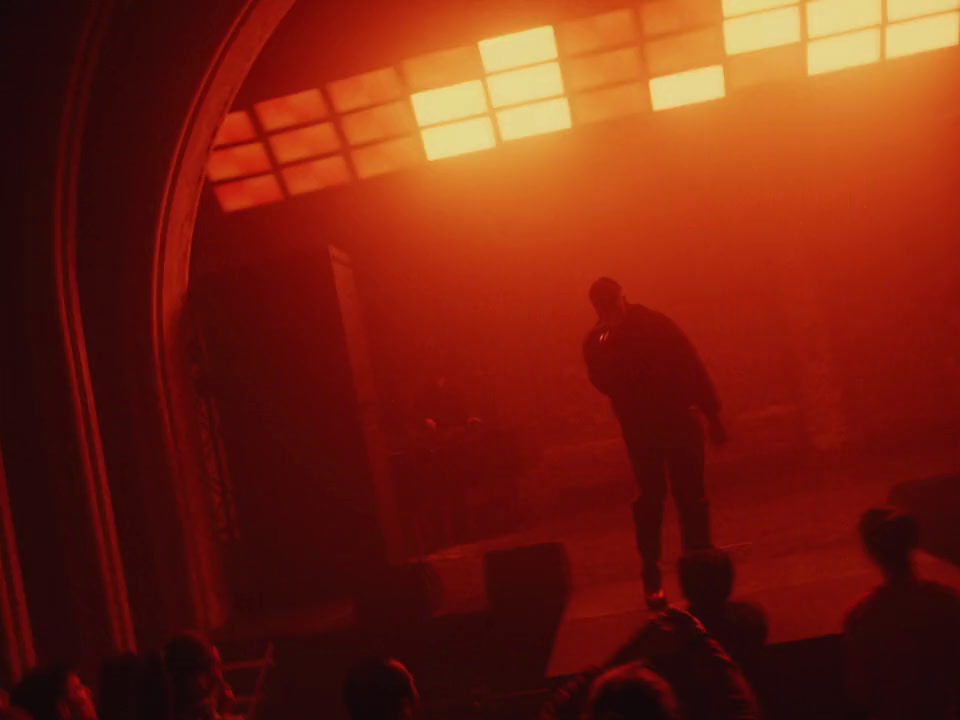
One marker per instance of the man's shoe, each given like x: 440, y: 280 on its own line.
x: 657, y: 600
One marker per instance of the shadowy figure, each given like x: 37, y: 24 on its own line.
x: 380, y: 690
x: 654, y: 378
x: 631, y: 692
x: 902, y: 639
x: 195, y: 674
x: 707, y: 578
x: 54, y: 693
x: 707, y: 683
x: 133, y: 687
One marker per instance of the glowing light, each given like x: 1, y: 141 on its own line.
x: 603, y: 68
x: 843, y: 51
x: 742, y: 7
x: 685, y: 88
x: 762, y: 30
x: 387, y: 156
x: 520, y: 48
x: 316, y: 174
x: 669, y: 16
x: 597, y: 32
x: 532, y: 83
x: 829, y: 17
x: 238, y: 160
x: 927, y: 33
x: 248, y: 192
x: 684, y: 51
x: 304, y: 142
x: 296, y: 109
x: 903, y: 9
x: 458, y: 138
x: 611, y: 102
x: 445, y: 67
x: 535, y: 119
x: 378, y: 123
x: 371, y: 88
x: 449, y: 103
x: 236, y: 127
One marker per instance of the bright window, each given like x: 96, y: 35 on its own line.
x: 534, y: 119
x: 449, y: 103
x: 903, y: 9
x: 295, y: 109
x: 742, y: 7
x: 843, y: 51
x: 458, y: 138
x: 926, y: 33
x: 690, y: 86
x: 762, y: 30
x: 530, y: 83
x: 829, y: 17
x: 520, y: 48
x: 237, y: 161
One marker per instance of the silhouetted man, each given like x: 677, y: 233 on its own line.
x: 902, y: 639
x: 380, y: 689
x: 654, y: 378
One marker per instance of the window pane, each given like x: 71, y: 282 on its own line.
x: 603, y: 68
x: 903, y: 9
x: 928, y: 33
x: 445, y: 67
x: 296, y: 109
x: 457, y: 138
x: 611, y: 102
x: 691, y: 86
x: 236, y: 127
x: 304, y: 142
x: 372, y: 88
x: 597, y: 32
x: 316, y: 174
x: 449, y: 103
x: 521, y: 48
x: 248, y: 192
x: 762, y: 30
x: 843, y: 51
x: 378, y: 123
x: 535, y: 119
x: 829, y: 17
x: 237, y: 161
x: 742, y: 7
x: 686, y: 51
x: 669, y: 16
x: 387, y: 156
x: 533, y: 83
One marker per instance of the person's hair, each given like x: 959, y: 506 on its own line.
x: 706, y: 577
x: 605, y: 293
x: 378, y: 689
x: 889, y: 537
x: 631, y: 692
x: 189, y: 660
x: 40, y: 690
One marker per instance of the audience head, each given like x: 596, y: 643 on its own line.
x: 631, y: 692
x: 54, y: 693
x: 889, y: 537
x: 195, y: 671
x: 380, y: 690
x: 607, y: 298
x: 706, y: 578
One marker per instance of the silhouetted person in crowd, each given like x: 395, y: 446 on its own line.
x: 195, y: 674
x: 903, y: 638
x: 631, y: 692
x: 133, y: 687
x: 54, y: 693
x: 380, y: 690
x: 706, y: 578
x: 706, y: 682
x: 655, y: 380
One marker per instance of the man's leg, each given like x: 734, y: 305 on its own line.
x: 650, y: 472
x: 689, y: 492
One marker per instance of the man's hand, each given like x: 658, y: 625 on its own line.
x: 717, y: 431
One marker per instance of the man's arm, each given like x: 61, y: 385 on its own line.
x: 600, y: 365
x: 702, y: 392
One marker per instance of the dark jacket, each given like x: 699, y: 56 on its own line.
x: 649, y: 369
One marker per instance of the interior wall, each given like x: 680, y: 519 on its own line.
x: 804, y: 235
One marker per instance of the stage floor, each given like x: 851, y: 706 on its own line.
x: 791, y: 530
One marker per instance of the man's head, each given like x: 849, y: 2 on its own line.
x: 631, y: 692
x: 706, y: 578
x: 607, y: 298
x: 889, y: 537
x: 380, y: 689
x: 195, y: 670
x: 54, y: 693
